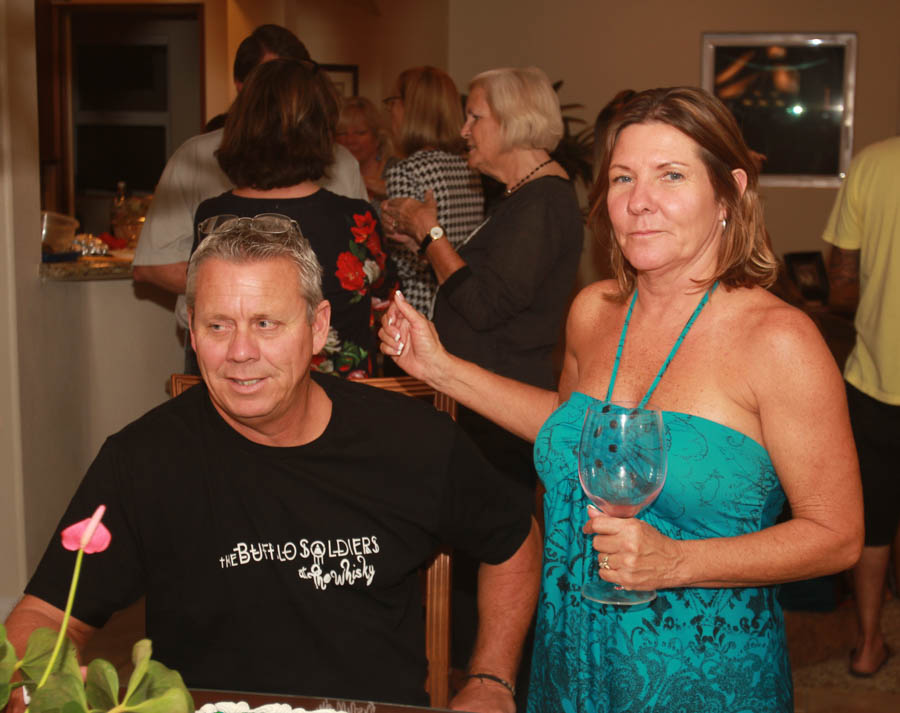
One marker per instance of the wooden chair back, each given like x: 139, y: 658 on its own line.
x: 437, y: 573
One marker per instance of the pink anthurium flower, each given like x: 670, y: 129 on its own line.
x: 89, y: 535
x: 86, y: 536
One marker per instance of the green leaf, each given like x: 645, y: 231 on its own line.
x: 37, y: 652
x: 62, y: 693
x: 160, y: 683
x: 37, y: 655
x: 4, y: 694
x: 140, y: 657
x: 102, y: 685
x: 7, y: 660
x: 174, y: 700
x: 359, y: 250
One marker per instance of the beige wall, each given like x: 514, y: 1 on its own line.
x: 381, y: 37
x: 599, y: 48
x: 18, y: 157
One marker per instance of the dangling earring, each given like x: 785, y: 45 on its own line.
x: 724, y: 223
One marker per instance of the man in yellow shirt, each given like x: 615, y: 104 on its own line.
x: 864, y: 271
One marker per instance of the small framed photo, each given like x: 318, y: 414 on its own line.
x: 344, y: 76
x: 807, y: 271
x: 792, y: 96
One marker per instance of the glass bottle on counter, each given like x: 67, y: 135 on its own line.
x: 117, y: 211
x: 127, y: 216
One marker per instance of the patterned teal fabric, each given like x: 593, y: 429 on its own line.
x: 691, y: 649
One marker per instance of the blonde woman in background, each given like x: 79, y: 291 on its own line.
x: 363, y: 132
x: 426, y: 120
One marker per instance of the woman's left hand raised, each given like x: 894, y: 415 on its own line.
x: 636, y: 554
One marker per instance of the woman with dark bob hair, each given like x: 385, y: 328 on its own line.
x: 754, y: 413
x: 277, y: 142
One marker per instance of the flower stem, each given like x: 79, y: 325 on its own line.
x: 65, y: 619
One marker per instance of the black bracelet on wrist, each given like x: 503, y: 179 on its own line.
x: 495, y: 679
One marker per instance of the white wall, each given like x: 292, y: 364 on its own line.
x: 601, y: 47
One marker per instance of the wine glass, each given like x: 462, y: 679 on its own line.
x: 622, y: 468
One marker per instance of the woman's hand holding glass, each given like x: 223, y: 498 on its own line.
x: 406, y: 220
x: 638, y: 557
x: 622, y: 463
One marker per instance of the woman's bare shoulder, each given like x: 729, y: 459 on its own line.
x: 595, y: 297
x: 591, y: 309
x: 771, y: 316
x: 774, y: 333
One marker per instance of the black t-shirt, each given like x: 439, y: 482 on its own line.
x: 346, y: 237
x: 287, y: 570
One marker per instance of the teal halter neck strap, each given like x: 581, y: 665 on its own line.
x: 662, y: 370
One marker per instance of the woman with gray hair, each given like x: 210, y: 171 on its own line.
x: 504, y: 291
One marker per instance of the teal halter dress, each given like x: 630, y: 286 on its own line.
x: 691, y: 649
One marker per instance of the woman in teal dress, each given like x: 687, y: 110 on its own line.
x: 754, y: 413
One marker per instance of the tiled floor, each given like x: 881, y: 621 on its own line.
x: 819, y: 644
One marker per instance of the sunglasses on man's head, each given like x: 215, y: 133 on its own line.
x: 270, y: 223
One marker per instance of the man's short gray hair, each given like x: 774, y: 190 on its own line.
x: 244, y: 244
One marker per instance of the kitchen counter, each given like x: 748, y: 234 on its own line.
x: 106, y: 267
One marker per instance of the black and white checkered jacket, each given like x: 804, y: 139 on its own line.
x: 457, y: 191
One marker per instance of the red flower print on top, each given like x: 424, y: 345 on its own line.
x: 350, y: 272
x: 365, y: 226
x: 373, y: 243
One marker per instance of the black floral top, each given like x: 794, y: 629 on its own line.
x: 358, y: 277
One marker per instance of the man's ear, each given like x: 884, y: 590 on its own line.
x: 191, y: 328
x: 320, y: 325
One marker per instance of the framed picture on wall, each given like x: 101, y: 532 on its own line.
x: 792, y: 95
x: 344, y: 76
x: 807, y: 271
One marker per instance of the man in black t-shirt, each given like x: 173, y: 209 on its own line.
x: 276, y: 520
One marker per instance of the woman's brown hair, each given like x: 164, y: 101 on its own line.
x: 432, y: 112
x: 280, y: 130
x: 745, y: 254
